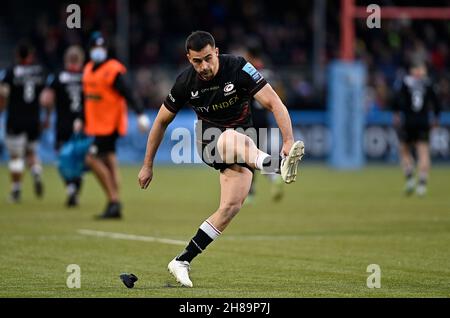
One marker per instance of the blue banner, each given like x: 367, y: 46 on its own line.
x: 378, y: 137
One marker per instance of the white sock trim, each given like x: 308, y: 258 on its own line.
x: 260, y: 159
x: 210, y: 230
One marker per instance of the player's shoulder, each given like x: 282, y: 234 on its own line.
x: 408, y: 80
x: 232, y: 61
x: 27, y: 69
x: 67, y: 77
x: 186, y: 75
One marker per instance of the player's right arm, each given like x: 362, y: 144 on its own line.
x: 162, y: 120
x: 47, y: 96
x: 176, y: 99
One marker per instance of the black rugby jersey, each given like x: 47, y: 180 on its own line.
x: 415, y: 99
x: 26, y: 83
x: 68, y: 101
x: 222, y: 102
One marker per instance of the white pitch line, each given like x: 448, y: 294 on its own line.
x: 131, y: 237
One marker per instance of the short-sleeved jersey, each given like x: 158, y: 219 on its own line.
x: 26, y: 83
x: 222, y: 102
x: 416, y: 98
x: 68, y: 100
x: 260, y: 115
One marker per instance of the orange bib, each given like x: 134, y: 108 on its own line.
x: 105, y: 109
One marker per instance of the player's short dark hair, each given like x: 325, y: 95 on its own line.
x: 24, y: 49
x: 198, y: 40
x: 416, y: 63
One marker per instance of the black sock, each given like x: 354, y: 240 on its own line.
x: 77, y: 183
x: 423, y: 181
x: 197, y: 244
x: 409, y: 174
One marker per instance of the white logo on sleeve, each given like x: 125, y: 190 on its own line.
x: 194, y: 94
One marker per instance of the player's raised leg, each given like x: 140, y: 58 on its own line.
x: 234, y: 146
x: 234, y: 186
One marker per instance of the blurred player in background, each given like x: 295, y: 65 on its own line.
x: 106, y: 94
x: 20, y: 88
x: 219, y: 88
x: 64, y: 92
x: 261, y: 120
x: 413, y: 103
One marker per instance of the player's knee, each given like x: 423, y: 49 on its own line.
x: 424, y: 164
x: 226, y: 139
x: 16, y: 165
x: 232, y: 142
x: 225, y: 146
x: 90, y: 159
x: 229, y: 210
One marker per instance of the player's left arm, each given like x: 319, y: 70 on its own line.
x: 47, y: 98
x: 270, y: 100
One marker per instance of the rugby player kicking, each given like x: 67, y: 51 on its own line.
x: 219, y: 88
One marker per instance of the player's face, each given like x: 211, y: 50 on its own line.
x: 74, y: 66
x: 419, y: 71
x: 205, y: 62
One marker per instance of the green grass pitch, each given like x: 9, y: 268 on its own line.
x: 317, y: 242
